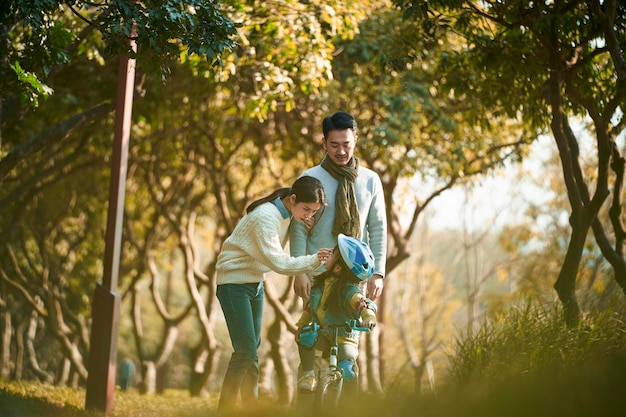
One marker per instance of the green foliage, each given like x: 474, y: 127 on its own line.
x: 200, y: 27
x: 503, y: 55
x: 530, y: 339
x: 286, y: 51
x: 41, y: 34
x: 410, y: 122
x: 35, y: 86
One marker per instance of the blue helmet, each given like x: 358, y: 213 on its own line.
x: 357, y: 255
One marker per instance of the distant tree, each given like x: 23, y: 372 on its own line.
x: 538, y: 241
x: 421, y: 304
x: 548, y: 62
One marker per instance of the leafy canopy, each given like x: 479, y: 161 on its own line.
x: 43, y: 34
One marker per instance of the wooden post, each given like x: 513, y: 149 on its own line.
x: 106, y: 302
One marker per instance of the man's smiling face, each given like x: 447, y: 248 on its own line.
x: 340, y: 146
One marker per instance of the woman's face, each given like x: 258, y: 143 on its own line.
x: 302, y: 212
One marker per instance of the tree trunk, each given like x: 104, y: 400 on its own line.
x: 565, y: 284
x: 204, y: 362
x: 279, y: 341
x: 373, y: 364
x: 614, y: 255
x: 583, y: 213
x: 207, y: 351
x: 31, y: 352
x: 418, y: 376
x: 5, y: 358
x: 148, y: 378
x: 266, y: 371
x: 64, y: 375
x: 19, y: 350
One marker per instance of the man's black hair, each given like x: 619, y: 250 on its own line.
x: 339, y: 121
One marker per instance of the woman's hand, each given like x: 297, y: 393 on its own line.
x: 309, y: 223
x: 323, y: 254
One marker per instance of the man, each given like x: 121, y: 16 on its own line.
x: 356, y: 204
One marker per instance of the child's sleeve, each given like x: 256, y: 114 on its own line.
x: 305, y: 317
x: 364, y: 306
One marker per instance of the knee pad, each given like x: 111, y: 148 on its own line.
x: 348, y: 368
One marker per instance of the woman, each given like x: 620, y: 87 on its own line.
x: 254, y: 248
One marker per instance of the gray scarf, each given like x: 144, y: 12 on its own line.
x: 347, y: 219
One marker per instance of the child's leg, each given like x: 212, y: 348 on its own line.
x: 346, y: 358
x: 307, y: 381
x: 347, y: 355
x: 307, y: 357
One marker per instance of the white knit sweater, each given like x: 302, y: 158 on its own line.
x: 256, y: 246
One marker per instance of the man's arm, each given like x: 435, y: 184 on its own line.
x: 377, y: 231
x: 297, y: 247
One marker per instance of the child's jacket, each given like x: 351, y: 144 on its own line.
x: 354, y: 305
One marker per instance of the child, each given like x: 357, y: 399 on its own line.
x: 337, y: 297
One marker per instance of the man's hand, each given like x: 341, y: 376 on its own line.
x: 302, y: 286
x: 374, y: 287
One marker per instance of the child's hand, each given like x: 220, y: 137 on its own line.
x: 370, y: 324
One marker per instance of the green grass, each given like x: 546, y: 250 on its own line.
x: 593, y: 389
x: 28, y: 399
x: 529, y: 339
x: 523, y: 362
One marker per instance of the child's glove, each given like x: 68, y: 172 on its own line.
x: 370, y: 324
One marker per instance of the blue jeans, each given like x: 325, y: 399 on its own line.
x: 242, y: 305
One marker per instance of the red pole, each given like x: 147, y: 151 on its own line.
x: 106, y: 303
